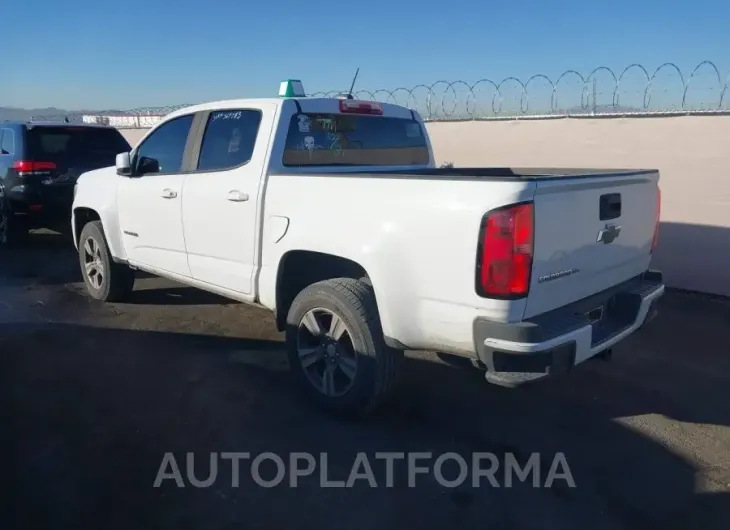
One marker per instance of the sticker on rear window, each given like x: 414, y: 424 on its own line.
x: 334, y: 141
x: 327, y: 124
x: 309, y: 144
x: 303, y: 123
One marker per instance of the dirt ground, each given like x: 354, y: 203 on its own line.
x: 93, y: 396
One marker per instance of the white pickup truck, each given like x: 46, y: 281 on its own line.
x: 331, y: 213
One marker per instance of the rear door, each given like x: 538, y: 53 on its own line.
x: 591, y: 233
x: 65, y: 152
x: 221, y: 194
x: 74, y: 149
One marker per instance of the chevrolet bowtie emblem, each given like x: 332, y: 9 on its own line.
x: 608, y: 234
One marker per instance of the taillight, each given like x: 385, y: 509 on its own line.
x: 350, y: 106
x: 32, y: 166
x: 504, y: 260
x: 655, y: 241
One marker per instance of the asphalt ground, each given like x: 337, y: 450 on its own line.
x: 92, y: 398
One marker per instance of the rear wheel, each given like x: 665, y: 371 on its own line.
x: 105, y: 280
x: 336, y: 348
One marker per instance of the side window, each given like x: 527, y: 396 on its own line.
x: 7, y: 142
x: 229, y: 139
x: 163, y: 151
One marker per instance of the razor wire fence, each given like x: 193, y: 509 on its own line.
x: 633, y: 91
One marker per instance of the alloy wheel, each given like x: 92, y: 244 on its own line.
x: 326, y: 352
x: 93, y: 263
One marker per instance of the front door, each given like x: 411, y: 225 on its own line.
x: 221, y: 196
x: 150, y: 203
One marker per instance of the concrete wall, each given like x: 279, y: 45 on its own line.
x: 133, y: 135
x: 692, y: 153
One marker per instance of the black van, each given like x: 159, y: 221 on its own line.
x: 39, y: 165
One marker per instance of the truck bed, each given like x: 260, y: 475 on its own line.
x: 572, y: 208
x: 491, y: 173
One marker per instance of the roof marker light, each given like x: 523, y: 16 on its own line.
x: 291, y: 88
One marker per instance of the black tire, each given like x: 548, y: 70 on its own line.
x: 117, y: 280
x: 378, y: 366
x: 13, y: 229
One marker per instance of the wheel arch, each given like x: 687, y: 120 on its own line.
x: 298, y: 269
x: 81, y: 217
x: 83, y: 214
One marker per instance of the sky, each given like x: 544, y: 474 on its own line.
x: 80, y: 54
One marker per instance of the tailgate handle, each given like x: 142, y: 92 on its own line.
x: 610, y: 206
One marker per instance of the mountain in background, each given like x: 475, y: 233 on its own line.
x: 15, y: 114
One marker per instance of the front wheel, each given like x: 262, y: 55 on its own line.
x: 336, y: 348
x: 105, y: 280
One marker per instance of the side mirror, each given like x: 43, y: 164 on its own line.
x: 124, y: 165
x: 148, y: 165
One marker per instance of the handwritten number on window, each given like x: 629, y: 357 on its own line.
x: 227, y: 115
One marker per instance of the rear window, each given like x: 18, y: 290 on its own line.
x: 354, y: 140
x: 76, y: 146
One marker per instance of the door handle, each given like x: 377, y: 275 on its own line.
x: 237, y: 196
x: 167, y: 193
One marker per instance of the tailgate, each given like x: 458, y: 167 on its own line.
x: 591, y: 233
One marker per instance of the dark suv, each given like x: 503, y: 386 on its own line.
x: 39, y: 165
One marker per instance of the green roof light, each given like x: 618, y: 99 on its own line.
x: 291, y: 88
